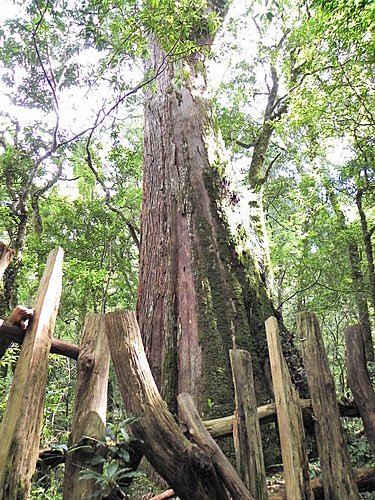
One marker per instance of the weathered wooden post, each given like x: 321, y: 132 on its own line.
x: 289, y: 417
x: 200, y: 436
x: 22, y: 420
x: 90, y: 404
x: 359, y: 381
x: 337, y: 471
x: 246, y: 428
x: 186, y: 468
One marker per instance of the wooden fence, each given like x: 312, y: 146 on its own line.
x: 185, y: 454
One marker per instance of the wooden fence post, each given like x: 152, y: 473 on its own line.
x: 90, y: 405
x: 186, y: 468
x: 289, y: 417
x: 22, y: 420
x: 359, y: 381
x: 337, y: 471
x: 246, y: 428
x: 200, y: 436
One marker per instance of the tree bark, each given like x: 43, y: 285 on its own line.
x: 365, y: 478
x: 223, y: 427
x: 197, y: 296
x: 366, y: 234
x: 289, y: 417
x: 359, y: 381
x: 258, y: 176
x: 9, y: 295
x: 363, y: 312
x: 202, y: 438
x: 358, y: 281
x: 6, y: 255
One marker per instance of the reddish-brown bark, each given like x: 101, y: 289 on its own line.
x: 197, y: 298
x: 187, y: 301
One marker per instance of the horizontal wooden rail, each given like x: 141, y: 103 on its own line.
x: 365, y: 479
x: 16, y: 334
x: 223, y: 427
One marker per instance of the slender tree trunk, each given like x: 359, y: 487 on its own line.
x: 258, y: 173
x: 6, y: 255
x: 366, y: 234
x: 363, y: 312
x: 358, y: 281
x: 8, y: 299
x: 197, y: 297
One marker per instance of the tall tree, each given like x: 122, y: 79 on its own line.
x: 198, y: 296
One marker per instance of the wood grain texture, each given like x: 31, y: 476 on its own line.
x: 186, y: 468
x: 365, y: 478
x: 359, y: 381
x: 12, y: 333
x: 337, y: 471
x: 289, y: 417
x: 22, y: 420
x: 202, y: 438
x: 223, y: 427
x: 246, y: 428
x: 90, y: 404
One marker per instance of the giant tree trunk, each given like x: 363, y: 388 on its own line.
x: 197, y: 298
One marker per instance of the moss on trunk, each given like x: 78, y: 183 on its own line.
x: 197, y: 297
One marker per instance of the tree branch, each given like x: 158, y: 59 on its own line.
x: 244, y: 145
x: 268, y: 169
x: 51, y: 80
x: 107, y: 191
x: 300, y: 291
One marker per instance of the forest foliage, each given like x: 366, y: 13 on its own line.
x: 294, y: 77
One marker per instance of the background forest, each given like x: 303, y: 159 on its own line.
x: 292, y: 87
